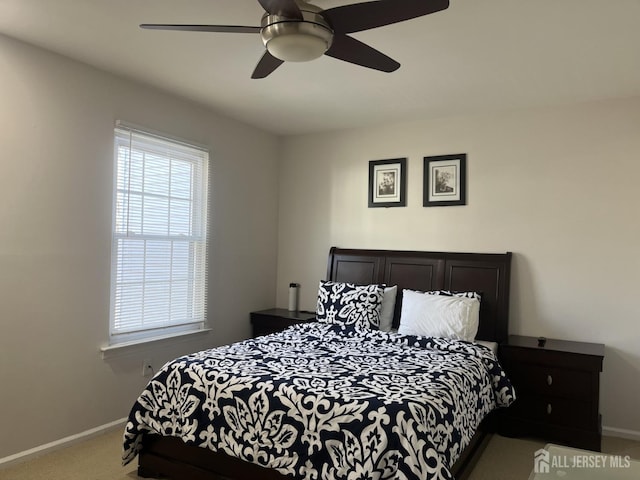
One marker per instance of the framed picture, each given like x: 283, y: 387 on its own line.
x: 388, y: 183
x: 445, y: 180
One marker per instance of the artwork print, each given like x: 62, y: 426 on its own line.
x: 445, y: 180
x: 387, y: 183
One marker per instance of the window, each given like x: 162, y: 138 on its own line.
x: 158, y: 265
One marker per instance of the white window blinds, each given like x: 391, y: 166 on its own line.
x: 159, y: 267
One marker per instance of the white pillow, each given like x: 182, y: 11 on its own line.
x: 388, y: 308
x: 453, y: 317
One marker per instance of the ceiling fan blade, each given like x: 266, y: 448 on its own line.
x: 202, y: 28
x: 354, y: 51
x: 285, y: 8
x: 367, y: 15
x: 267, y: 64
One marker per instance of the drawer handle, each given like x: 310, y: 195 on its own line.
x: 549, y: 380
x: 549, y: 409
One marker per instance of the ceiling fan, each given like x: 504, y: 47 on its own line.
x: 296, y: 31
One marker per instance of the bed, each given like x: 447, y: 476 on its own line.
x: 372, y: 432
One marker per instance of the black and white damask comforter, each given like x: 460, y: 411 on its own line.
x: 320, y: 401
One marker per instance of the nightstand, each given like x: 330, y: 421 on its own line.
x: 277, y: 319
x: 557, y: 390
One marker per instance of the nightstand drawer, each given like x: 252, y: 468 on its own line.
x: 554, y: 411
x: 544, y: 380
x: 543, y: 356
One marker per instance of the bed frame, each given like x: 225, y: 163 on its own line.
x: 486, y: 273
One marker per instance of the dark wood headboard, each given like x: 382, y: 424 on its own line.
x: 486, y: 273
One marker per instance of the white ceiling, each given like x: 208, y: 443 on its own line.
x: 477, y: 55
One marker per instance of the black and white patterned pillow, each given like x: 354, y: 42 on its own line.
x: 449, y: 293
x: 348, y: 304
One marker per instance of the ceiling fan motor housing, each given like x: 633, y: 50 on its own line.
x: 294, y: 40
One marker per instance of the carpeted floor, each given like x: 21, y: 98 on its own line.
x: 94, y: 459
x: 99, y: 459
x: 511, y: 459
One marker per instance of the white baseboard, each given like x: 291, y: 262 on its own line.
x: 621, y: 433
x: 59, y: 444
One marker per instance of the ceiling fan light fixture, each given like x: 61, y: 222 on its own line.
x: 296, y: 41
x: 297, y: 47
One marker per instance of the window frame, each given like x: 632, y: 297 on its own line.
x: 174, y: 151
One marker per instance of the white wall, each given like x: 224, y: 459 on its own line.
x: 56, y: 147
x: 557, y: 186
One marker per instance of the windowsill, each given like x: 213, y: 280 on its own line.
x: 126, y: 347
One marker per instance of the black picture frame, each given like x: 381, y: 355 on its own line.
x: 445, y: 180
x: 388, y: 183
